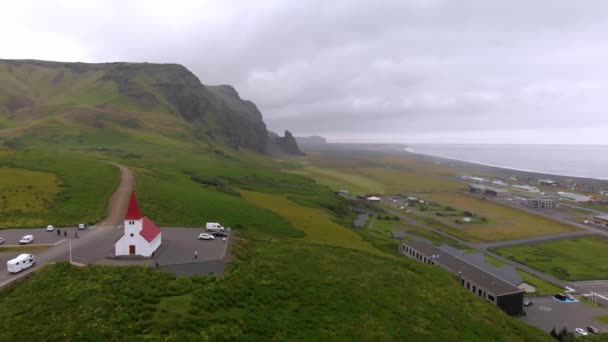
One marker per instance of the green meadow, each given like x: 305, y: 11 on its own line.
x: 572, y: 259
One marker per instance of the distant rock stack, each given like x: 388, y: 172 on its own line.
x: 286, y: 144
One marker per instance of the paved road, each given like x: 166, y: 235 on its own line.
x: 93, y: 245
x: 531, y: 240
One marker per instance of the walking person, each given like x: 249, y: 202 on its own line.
x: 58, y: 232
x: 65, y: 233
x: 195, y: 255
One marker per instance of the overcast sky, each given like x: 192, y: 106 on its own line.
x: 360, y: 71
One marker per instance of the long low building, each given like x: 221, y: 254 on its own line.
x: 600, y: 220
x: 542, y: 202
x: 489, y: 287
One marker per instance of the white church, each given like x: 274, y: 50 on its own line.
x: 142, y: 237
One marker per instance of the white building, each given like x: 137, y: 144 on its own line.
x: 527, y: 188
x: 574, y: 197
x: 142, y: 237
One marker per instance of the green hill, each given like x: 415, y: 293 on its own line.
x: 298, y: 272
x: 81, y: 104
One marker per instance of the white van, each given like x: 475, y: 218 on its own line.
x: 20, y: 263
x: 26, y: 239
x: 214, y: 227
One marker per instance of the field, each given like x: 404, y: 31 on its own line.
x: 505, y: 223
x: 26, y: 191
x: 63, y: 189
x: 342, y: 180
x: 278, y: 289
x: 315, y: 223
x: 572, y: 260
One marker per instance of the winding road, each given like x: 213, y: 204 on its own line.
x: 92, y: 246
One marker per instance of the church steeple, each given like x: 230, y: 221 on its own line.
x: 133, y: 213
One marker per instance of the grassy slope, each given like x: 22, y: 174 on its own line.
x: 279, y: 289
x: 315, y: 223
x: 575, y: 259
x: 85, y: 187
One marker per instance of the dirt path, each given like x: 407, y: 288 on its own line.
x: 117, y: 205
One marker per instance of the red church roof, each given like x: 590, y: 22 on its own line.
x: 150, y: 230
x: 133, y: 213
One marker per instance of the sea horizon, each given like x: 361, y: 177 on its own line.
x: 565, y: 160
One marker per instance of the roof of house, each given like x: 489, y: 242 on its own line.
x: 507, y: 273
x: 602, y: 217
x: 133, y: 213
x: 468, y: 271
x: 150, y: 230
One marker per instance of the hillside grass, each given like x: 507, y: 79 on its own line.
x: 342, y: 180
x: 505, y: 223
x: 315, y: 223
x: 67, y: 188
x: 278, y: 289
x: 27, y: 191
x: 572, y: 260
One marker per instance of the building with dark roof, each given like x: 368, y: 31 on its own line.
x: 489, y: 191
x: 488, y: 286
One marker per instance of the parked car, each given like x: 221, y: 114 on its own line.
x: 214, y: 227
x: 580, y: 331
x: 50, y: 228
x: 82, y: 226
x: 560, y: 297
x: 593, y: 329
x: 205, y: 236
x: 1, y: 240
x: 528, y: 303
x: 26, y: 239
x: 219, y: 234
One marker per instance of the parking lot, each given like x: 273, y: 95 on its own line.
x: 546, y: 313
x: 41, y: 236
x: 178, y: 247
x: 176, y: 253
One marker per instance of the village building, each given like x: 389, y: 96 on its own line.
x: 489, y: 191
x: 527, y: 188
x: 570, y: 196
x: 493, y: 288
x: 141, y: 236
x: 600, y: 220
x: 541, y: 202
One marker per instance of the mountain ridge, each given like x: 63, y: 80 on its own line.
x: 34, y: 93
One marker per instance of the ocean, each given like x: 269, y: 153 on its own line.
x: 588, y: 161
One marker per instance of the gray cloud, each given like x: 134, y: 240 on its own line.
x: 385, y: 71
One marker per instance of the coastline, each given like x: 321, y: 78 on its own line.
x: 409, y: 150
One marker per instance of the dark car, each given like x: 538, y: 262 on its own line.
x: 219, y: 234
x: 560, y: 297
x: 593, y: 330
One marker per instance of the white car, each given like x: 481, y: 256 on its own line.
x: 205, y: 236
x: 581, y: 332
x: 50, y: 228
x: 26, y: 240
x: 1, y: 240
